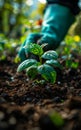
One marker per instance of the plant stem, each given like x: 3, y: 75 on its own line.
x: 40, y: 59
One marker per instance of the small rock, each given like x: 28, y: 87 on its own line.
x: 29, y: 99
x: 12, y: 121
x: 2, y: 100
x: 57, y: 99
x: 59, y: 82
x: 2, y: 115
x: 12, y: 78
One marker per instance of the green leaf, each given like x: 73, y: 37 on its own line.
x: 25, y: 64
x: 2, y: 43
x: 1, y: 49
x: 68, y: 63
x: 56, y: 119
x: 54, y: 63
x: 17, y: 59
x: 32, y: 71
x: 71, y: 64
x: 50, y: 55
x: 35, y: 49
x: 47, y: 72
x: 75, y: 65
x: 3, y: 57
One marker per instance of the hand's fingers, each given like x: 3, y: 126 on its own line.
x: 44, y: 40
x: 22, y: 54
x: 49, y: 42
x: 32, y: 38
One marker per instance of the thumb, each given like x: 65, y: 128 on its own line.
x: 50, y: 42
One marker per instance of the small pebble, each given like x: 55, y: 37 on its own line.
x: 2, y: 115
x: 59, y: 82
x: 2, y: 100
x: 12, y: 78
x: 29, y: 99
x: 12, y: 121
x: 57, y: 99
x: 27, y: 79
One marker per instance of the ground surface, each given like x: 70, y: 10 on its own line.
x: 25, y: 105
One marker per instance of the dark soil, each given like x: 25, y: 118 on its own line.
x: 27, y: 104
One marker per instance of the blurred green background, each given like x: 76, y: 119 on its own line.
x: 17, y: 15
x: 20, y: 17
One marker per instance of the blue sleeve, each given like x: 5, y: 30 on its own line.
x: 72, y: 4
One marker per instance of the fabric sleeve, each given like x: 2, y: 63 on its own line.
x: 72, y: 4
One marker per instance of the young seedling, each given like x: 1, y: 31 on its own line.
x: 2, y: 55
x: 56, y: 119
x: 46, y: 65
x: 69, y: 49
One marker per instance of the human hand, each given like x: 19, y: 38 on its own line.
x: 57, y: 20
x: 35, y: 38
x: 23, y: 52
